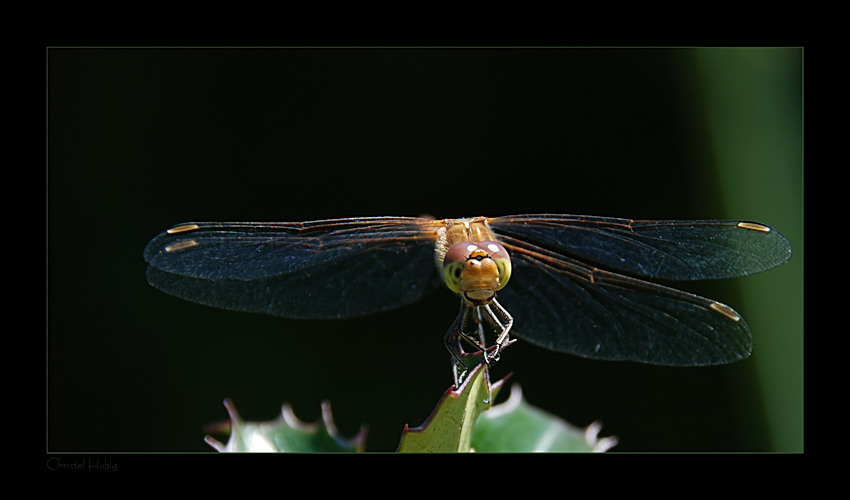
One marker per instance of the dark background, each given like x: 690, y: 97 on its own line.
x: 141, y: 139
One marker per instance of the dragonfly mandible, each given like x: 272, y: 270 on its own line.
x: 573, y: 284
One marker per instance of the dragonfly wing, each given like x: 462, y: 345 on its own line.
x: 322, y: 269
x: 566, y: 306
x: 674, y: 250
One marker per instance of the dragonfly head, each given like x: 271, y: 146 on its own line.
x: 477, y: 270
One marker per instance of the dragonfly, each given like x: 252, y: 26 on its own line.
x: 581, y: 285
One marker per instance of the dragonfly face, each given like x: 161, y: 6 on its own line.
x: 472, y: 263
x: 578, y: 284
x: 476, y: 271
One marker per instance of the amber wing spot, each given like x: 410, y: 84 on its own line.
x: 725, y: 310
x: 180, y: 245
x: 182, y: 229
x: 754, y: 226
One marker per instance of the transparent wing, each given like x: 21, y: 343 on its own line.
x: 674, y: 250
x: 320, y: 269
x: 567, y: 306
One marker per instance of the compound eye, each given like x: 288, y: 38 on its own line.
x: 500, y: 256
x: 453, y: 262
x: 494, y: 249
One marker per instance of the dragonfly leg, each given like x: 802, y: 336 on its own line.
x: 470, y: 327
x: 503, y: 326
x: 459, y: 378
x: 468, y: 319
x: 455, y: 348
x: 479, y: 323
